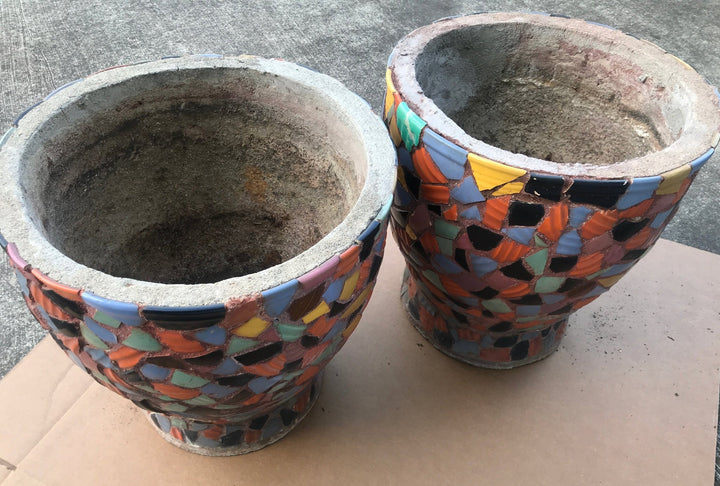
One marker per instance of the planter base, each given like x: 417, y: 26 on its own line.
x: 235, y: 438
x: 516, y: 348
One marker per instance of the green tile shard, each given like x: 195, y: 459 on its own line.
x: 186, y: 380
x: 290, y: 332
x: 237, y: 345
x: 142, y: 341
x: 92, y: 338
x: 545, y: 285
x: 537, y: 261
x: 108, y: 320
x: 410, y: 126
x: 496, y: 305
x: 200, y: 400
x: 445, y: 229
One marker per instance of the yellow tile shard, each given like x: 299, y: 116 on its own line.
x: 394, y: 132
x: 672, y: 180
x: 389, y: 98
x: 489, y: 174
x: 510, y: 188
x: 608, y: 282
x: 349, y: 286
x: 252, y: 328
x: 318, y: 311
x: 357, y: 303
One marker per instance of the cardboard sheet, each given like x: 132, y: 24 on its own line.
x: 630, y: 397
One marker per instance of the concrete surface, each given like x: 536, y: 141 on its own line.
x: 46, y: 43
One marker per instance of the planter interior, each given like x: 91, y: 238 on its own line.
x: 192, y: 180
x: 540, y: 92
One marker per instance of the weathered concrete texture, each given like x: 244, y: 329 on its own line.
x: 44, y: 44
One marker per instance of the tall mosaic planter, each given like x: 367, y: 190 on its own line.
x: 200, y: 235
x: 539, y: 158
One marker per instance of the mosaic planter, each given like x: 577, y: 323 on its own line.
x: 539, y: 158
x: 201, y: 235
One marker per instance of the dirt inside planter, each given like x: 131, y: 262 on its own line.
x: 545, y: 93
x: 196, y: 181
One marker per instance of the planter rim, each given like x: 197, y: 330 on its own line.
x: 700, y: 130
x: 17, y: 228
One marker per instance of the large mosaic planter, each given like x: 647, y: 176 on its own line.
x: 201, y: 235
x: 539, y: 158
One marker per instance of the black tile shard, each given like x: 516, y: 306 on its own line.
x: 506, y: 341
x: 461, y: 258
x: 185, y: 319
x: 412, y: 182
x: 634, y: 254
x: 520, y: 350
x: 530, y: 299
x: 599, y: 193
x: 525, y: 214
x: 260, y: 354
x: 624, y: 230
x: 503, y: 326
x: 486, y: 293
x: 562, y: 264
x: 483, y: 239
x: 517, y: 271
x: 547, y: 187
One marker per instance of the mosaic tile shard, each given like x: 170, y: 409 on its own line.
x: 142, y: 341
x: 600, y: 193
x: 426, y: 168
x: 673, y: 180
x: 275, y: 300
x: 489, y: 174
x: 409, y: 125
x: 483, y: 239
x: 467, y: 192
x: 212, y: 335
x: 640, y: 190
x: 449, y: 158
x: 318, y: 275
x: 695, y: 164
x: 525, y: 214
x: 545, y: 186
x: 184, y: 318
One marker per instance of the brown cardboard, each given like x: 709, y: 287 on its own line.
x: 33, y: 396
x: 629, y: 398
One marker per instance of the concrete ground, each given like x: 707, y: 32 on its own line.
x: 46, y: 43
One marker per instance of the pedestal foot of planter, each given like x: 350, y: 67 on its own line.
x: 237, y: 437
x: 502, y: 350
